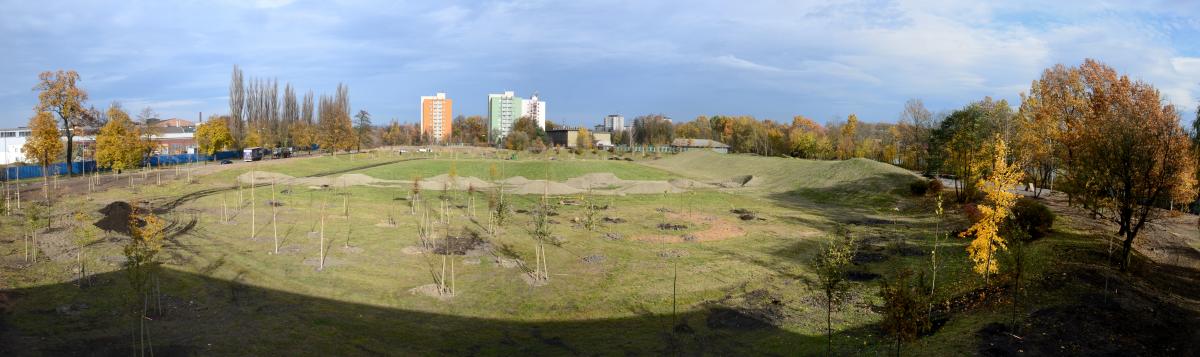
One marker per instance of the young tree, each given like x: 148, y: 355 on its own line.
x: 59, y: 93
x: 584, y: 140
x: 85, y: 233
x: 117, y: 144
x: 146, y: 239
x: 831, y: 264
x: 213, y: 136
x: 43, y: 146
x: 846, y: 146
x: 997, y: 208
x: 902, y: 315
x: 1129, y: 154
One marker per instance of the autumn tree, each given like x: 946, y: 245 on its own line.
x: 470, y: 130
x: 117, y: 145
x: 336, y: 132
x: 59, y: 94
x: 1055, y: 105
x: 44, y: 145
x: 213, y: 136
x: 1129, y: 154
x: 584, y: 139
x: 846, y: 147
x: 986, y: 233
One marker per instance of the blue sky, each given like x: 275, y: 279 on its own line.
x: 588, y: 58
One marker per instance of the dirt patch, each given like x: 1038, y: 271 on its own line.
x: 411, y: 250
x: 430, y: 290
x: 718, y: 229
x: 613, y: 236
x: 594, y: 259
x: 671, y: 227
x: 508, y: 263
x: 672, y: 253
x: 649, y: 187
x: 463, y: 243
x: 533, y: 282
x: 615, y: 220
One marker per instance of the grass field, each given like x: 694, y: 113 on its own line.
x: 624, y: 288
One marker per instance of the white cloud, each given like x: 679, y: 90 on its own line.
x: 738, y: 63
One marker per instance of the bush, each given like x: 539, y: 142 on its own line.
x: 935, y: 186
x: 925, y: 187
x: 919, y: 187
x: 1033, y: 217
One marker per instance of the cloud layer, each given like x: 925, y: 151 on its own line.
x: 590, y: 58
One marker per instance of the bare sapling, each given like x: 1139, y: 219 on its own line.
x: 85, y: 233
x: 321, y: 265
x: 253, y: 218
x: 415, y: 194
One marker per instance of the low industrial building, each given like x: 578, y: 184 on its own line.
x: 569, y: 137
x: 684, y: 144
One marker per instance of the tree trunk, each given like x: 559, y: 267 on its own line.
x: 70, y: 147
x: 1126, y: 247
x: 828, y: 323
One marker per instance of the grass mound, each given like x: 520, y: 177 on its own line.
x: 775, y: 174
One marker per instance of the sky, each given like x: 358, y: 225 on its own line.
x: 590, y: 58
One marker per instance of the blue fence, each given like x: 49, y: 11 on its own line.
x: 34, y: 171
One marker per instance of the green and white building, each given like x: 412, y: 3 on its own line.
x: 504, y: 110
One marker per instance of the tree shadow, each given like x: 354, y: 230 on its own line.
x: 208, y: 316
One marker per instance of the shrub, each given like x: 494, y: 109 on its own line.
x: 919, y: 187
x: 972, y: 212
x: 1033, y: 217
x: 935, y: 186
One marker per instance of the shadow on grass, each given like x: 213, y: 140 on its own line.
x: 210, y: 316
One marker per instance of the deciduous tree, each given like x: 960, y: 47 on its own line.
x: 59, y: 93
x: 117, y: 145
x: 44, y: 145
x: 994, y: 211
x: 1128, y: 155
x: 213, y: 136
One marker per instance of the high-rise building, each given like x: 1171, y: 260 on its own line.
x: 436, y: 114
x: 614, y: 122
x: 504, y: 110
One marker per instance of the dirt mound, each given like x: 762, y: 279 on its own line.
x: 688, y: 183
x: 595, y: 180
x: 549, y: 187
x: 354, y: 180
x: 116, y: 217
x: 648, y: 187
x: 458, y: 183
x: 264, y: 177
x: 514, y: 181
x: 742, y: 181
x: 719, y: 228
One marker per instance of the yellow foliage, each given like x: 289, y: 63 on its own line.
x: 999, y: 201
x: 45, y: 144
x: 118, y: 145
x: 213, y: 135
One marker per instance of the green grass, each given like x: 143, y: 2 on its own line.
x: 230, y: 295
x: 530, y: 169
